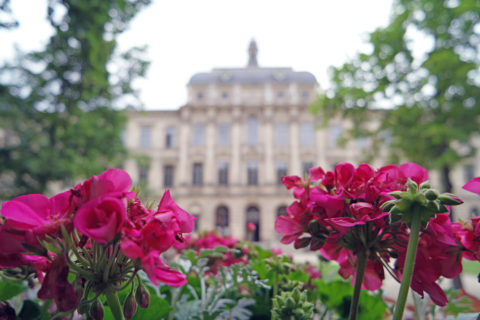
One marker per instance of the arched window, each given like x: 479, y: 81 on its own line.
x: 222, y: 220
x: 253, y: 219
x: 281, y: 211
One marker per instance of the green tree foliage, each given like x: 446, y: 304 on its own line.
x: 59, y: 115
x: 423, y: 73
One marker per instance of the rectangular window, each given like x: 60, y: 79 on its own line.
x: 281, y: 134
x: 252, y: 131
x: 307, y: 134
x: 252, y: 173
x: 334, y: 133
x: 223, y: 134
x: 222, y: 173
x: 143, y: 175
x: 197, y: 174
x: 198, y: 134
x: 168, y: 176
x: 468, y: 172
x: 306, y: 167
x: 171, y: 137
x: 145, y: 137
x: 281, y: 171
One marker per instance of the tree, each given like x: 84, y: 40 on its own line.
x: 57, y: 106
x: 427, y: 100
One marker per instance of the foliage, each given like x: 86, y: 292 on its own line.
x: 57, y: 115
x: 424, y: 99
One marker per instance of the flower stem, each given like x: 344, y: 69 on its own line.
x: 275, y: 290
x: 408, y: 266
x: 360, y: 271
x: 114, y: 304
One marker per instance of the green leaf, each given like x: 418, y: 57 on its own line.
x: 9, y: 289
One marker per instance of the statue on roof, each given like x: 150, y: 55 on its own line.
x: 252, y: 54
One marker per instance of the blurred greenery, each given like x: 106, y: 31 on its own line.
x: 59, y: 115
x: 420, y: 80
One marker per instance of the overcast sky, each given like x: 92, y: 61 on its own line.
x: 189, y: 36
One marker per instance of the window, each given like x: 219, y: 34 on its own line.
x: 196, y: 223
x: 306, y: 167
x: 168, y: 176
x: 146, y: 137
x: 198, y: 134
x: 171, y: 137
x: 223, y: 137
x: 252, y: 173
x: 280, y: 94
x: 253, y: 217
x: 222, y: 220
x: 197, y: 174
x: 281, y: 171
x: 224, y: 95
x: 307, y: 134
x: 362, y: 142
x: 473, y: 212
x: 281, y: 134
x: 199, y: 95
x: 334, y: 133
x: 468, y: 172
x: 143, y: 175
x: 252, y: 131
x: 222, y: 173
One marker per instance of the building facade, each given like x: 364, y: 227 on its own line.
x: 223, y: 153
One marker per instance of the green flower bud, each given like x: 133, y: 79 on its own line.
x: 449, y: 199
x: 142, y: 296
x: 412, y: 185
x: 129, y: 306
x: 96, y: 310
x: 425, y: 185
x: 431, y: 194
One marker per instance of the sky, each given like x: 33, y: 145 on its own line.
x: 189, y: 36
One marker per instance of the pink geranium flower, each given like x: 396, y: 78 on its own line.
x: 157, y: 271
x: 473, y: 185
x: 101, y: 219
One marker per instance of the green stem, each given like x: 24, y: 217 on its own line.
x: 275, y: 291
x: 114, y: 304
x: 360, y: 271
x: 408, y: 266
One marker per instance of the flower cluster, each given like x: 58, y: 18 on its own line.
x: 212, y: 240
x: 361, y: 213
x: 99, y: 231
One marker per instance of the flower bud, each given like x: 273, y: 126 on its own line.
x: 449, y: 199
x: 129, y: 306
x: 425, y: 185
x: 431, y: 194
x: 412, y: 185
x: 142, y: 295
x: 96, y: 310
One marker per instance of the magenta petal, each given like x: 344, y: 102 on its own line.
x: 23, y: 213
x: 414, y: 171
x: 131, y: 249
x: 316, y: 173
x: 286, y: 225
x: 473, y: 185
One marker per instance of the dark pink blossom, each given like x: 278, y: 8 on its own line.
x: 473, y: 185
x: 157, y: 271
x: 101, y: 219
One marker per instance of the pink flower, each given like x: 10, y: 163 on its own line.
x: 184, y: 221
x: 473, y: 185
x: 251, y: 226
x: 101, y: 219
x: 157, y: 271
x: 36, y: 214
x: 113, y: 182
x: 277, y: 251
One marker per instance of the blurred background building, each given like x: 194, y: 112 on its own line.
x: 223, y: 153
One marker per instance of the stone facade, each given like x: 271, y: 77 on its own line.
x: 223, y: 152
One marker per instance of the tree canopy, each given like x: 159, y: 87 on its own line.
x: 421, y: 80
x: 58, y: 115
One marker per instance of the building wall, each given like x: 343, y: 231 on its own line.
x: 236, y: 107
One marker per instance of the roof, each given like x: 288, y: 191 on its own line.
x: 252, y: 75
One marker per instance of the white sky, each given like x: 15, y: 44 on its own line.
x: 189, y: 36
